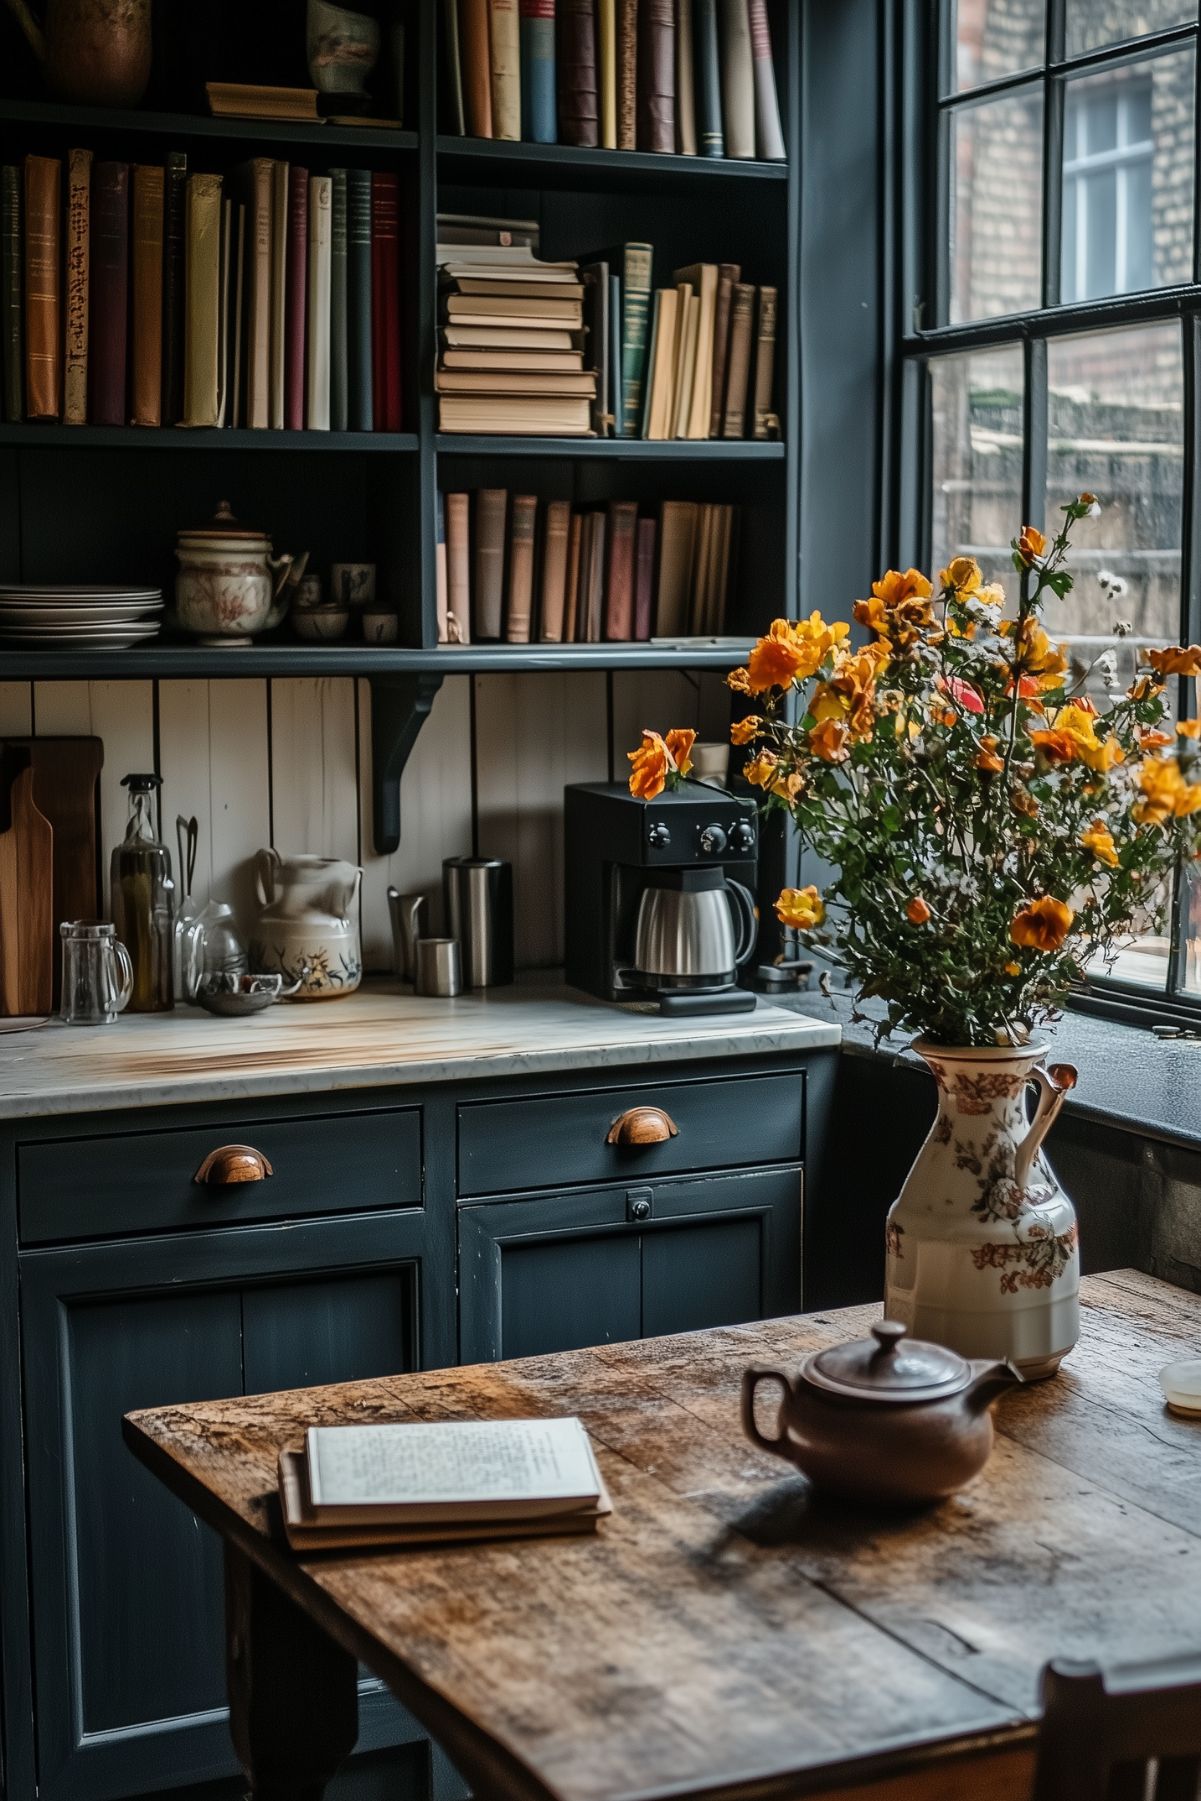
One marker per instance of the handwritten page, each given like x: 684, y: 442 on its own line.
x: 454, y: 1462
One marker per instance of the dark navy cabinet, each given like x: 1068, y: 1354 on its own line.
x: 401, y: 1229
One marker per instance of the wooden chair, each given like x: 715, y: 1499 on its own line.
x: 1131, y: 1733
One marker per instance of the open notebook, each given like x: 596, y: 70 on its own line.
x: 424, y: 1482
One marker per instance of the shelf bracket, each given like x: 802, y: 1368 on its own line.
x: 400, y: 706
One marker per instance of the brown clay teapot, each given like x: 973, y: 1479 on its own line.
x: 887, y: 1419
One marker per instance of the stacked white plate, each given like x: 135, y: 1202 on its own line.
x: 65, y: 616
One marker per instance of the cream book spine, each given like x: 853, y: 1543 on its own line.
x: 505, y: 38
x: 279, y: 291
x: 321, y: 201
x: 606, y: 33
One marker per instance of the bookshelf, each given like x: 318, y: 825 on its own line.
x: 374, y: 496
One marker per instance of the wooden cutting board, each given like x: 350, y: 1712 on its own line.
x: 66, y: 772
x: 26, y: 905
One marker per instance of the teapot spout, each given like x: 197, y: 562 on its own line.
x: 991, y: 1380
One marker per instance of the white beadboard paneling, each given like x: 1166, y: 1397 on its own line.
x: 16, y: 709
x: 121, y: 715
x: 313, y: 767
x: 535, y: 734
x: 435, y: 814
x: 214, y: 763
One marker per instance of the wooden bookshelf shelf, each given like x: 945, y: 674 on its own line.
x: 471, y: 160
x: 81, y: 123
x: 622, y: 450
x: 204, y: 663
x: 177, y: 437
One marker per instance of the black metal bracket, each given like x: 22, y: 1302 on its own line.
x: 400, y: 706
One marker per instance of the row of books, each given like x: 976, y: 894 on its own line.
x: 145, y: 295
x: 690, y: 76
x: 528, y: 346
x: 514, y: 569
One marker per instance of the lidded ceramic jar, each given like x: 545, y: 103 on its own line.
x: 888, y: 1419
x: 228, y: 582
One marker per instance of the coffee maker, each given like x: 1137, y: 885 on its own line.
x: 653, y: 912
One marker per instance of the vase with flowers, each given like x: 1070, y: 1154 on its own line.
x: 993, y: 831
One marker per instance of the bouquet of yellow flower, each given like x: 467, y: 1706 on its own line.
x: 992, y: 829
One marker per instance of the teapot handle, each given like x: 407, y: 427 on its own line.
x: 279, y: 566
x: 266, y: 863
x: 751, y: 1379
x: 1055, y: 1084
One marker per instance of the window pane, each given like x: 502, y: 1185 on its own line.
x: 996, y: 152
x: 1116, y: 428
x: 976, y: 403
x: 1089, y: 25
x: 993, y: 38
x: 1128, y: 173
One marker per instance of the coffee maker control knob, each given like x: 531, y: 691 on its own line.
x: 713, y: 840
x: 658, y: 835
x: 743, y: 836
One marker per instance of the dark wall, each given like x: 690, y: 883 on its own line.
x: 1138, y: 1200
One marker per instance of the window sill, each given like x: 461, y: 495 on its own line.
x: 1129, y: 1079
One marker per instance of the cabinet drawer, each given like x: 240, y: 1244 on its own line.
x: 556, y: 1140
x: 134, y: 1182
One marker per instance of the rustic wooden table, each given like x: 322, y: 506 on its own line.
x: 725, y: 1634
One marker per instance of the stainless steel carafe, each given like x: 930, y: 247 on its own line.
x: 695, y: 929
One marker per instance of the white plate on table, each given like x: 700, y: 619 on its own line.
x: 39, y: 615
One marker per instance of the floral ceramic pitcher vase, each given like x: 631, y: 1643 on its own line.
x: 308, y: 930
x: 982, y: 1250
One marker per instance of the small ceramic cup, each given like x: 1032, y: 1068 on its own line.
x: 321, y: 623
x: 308, y: 594
x: 352, y: 584
x: 380, y: 627
x: 711, y: 762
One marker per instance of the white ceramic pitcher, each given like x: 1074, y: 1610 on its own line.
x: 308, y: 929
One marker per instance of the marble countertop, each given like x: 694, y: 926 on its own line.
x: 380, y: 1037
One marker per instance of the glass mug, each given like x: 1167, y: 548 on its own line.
x: 97, y: 973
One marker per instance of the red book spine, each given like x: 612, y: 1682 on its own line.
x: 385, y: 301
x: 644, y: 580
x: 296, y: 292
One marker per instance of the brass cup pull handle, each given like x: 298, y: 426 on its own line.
x: 642, y: 1125
x: 232, y: 1163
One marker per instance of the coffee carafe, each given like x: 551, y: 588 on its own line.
x: 653, y: 908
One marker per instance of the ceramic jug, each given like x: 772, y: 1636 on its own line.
x: 308, y: 928
x: 982, y: 1251
x: 94, y: 51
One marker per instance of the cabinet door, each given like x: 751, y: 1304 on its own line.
x: 561, y: 1271
x: 126, y: 1584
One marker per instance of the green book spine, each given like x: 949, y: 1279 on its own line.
x: 635, y: 315
x: 10, y: 295
x: 339, y: 381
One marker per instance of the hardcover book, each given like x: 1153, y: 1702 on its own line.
x: 766, y: 424
x: 575, y: 64
x: 385, y: 301
x: 538, y: 70
x: 458, y: 568
x: 174, y: 199
x: 554, y: 570
x: 339, y: 368
x: 358, y: 298
x: 476, y: 55
x: 297, y: 280
x: 488, y: 585
x: 109, y: 294
x: 11, y: 309
x: 202, y: 325
x: 619, y: 592
x: 317, y: 365
x: 685, y: 80
x: 769, y: 135
x: 259, y: 185
x: 521, y: 568
x: 738, y: 360
x: 737, y: 79
x: 279, y: 293
x: 147, y: 258
x: 43, y: 311
x: 627, y: 75
x: 606, y: 54
x: 657, y: 76
x: 78, y: 273
x: 710, y: 136
x: 505, y: 45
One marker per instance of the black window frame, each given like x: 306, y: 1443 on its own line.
x: 920, y: 215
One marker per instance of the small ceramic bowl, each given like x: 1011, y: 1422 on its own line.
x: 321, y: 623
x: 234, y: 996
x: 380, y: 627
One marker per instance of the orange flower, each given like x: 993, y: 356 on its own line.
x: 1024, y: 803
x: 1166, y: 794
x: 744, y: 730
x: 1099, y: 839
x: 1176, y: 659
x: 916, y: 910
x: 1143, y: 687
x: 1189, y: 728
x: 899, y: 608
x: 1071, y: 738
x: 649, y: 767
x: 1042, y: 924
x: 761, y: 772
x: 679, y: 748
x: 788, y: 786
x: 791, y: 653
x: 1032, y: 545
x: 829, y: 741
x: 850, y: 693
x: 800, y: 908
x: 1036, y: 655
x: 987, y: 760
x: 1013, y: 969
x: 1151, y: 739
x: 961, y: 578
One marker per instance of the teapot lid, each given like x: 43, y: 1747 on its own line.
x: 223, y: 525
x: 888, y: 1366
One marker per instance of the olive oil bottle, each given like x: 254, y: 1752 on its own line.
x: 143, y: 900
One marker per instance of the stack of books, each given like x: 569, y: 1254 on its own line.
x: 511, y: 356
x: 146, y: 295
x: 421, y: 1483
x: 693, y: 77
x: 525, y: 571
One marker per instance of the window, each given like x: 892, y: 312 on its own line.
x: 1054, y: 335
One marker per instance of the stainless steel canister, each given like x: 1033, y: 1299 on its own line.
x: 437, y: 967
x: 479, y: 913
